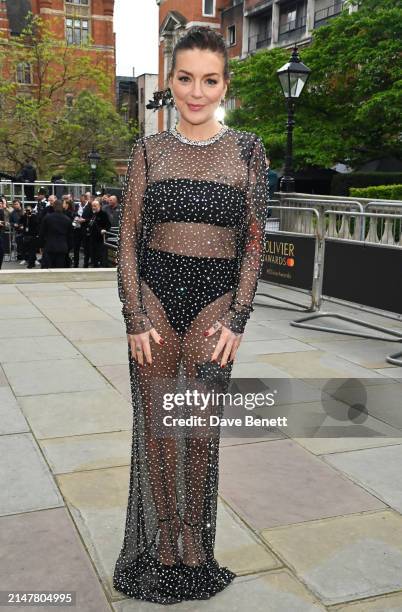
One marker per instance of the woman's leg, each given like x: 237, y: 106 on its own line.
x: 161, y: 449
x: 202, y: 443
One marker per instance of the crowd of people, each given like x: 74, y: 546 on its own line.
x: 52, y: 232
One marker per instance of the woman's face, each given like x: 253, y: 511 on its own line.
x: 95, y: 206
x: 197, y: 84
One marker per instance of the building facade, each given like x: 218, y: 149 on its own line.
x: 76, y: 21
x: 247, y: 25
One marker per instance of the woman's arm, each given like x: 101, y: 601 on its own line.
x: 130, y: 225
x: 252, y: 257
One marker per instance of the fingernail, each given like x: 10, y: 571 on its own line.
x: 222, y: 366
x: 161, y: 341
x: 206, y: 333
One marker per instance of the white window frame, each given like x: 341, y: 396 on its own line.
x: 204, y: 14
x: 231, y: 44
x: 23, y: 66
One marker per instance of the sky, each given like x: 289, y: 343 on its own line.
x: 136, y: 26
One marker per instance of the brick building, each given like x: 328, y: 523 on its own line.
x: 248, y: 26
x: 73, y: 20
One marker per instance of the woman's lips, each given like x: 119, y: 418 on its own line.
x: 195, y: 107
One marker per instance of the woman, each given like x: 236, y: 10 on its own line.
x: 97, y: 228
x: 189, y: 257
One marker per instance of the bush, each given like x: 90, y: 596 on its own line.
x: 342, y: 183
x: 378, y: 192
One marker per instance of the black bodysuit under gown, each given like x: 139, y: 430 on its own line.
x: 190, y: 252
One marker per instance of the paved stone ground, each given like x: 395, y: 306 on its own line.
x: 307, y: 523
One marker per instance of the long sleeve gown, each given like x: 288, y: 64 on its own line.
x: 190, y: 252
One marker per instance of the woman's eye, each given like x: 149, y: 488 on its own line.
x: 212, y: 81
x: 182, y: 78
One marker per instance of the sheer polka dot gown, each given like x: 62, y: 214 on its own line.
x: 190, y: 252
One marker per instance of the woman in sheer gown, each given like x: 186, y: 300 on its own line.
x: 190, y: 253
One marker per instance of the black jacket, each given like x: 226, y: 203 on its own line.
x: 55, y: 233
x: 30, y: 224
x: 99, y: 221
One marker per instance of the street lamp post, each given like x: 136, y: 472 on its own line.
x: 94, y: 159
x: 292, y: 76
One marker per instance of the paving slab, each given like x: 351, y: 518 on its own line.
x: 327, y: 418
x: 42, y: 551
x: 118, y: 375
x: 259, y: 331
x: 38, y: 287
x: 306, y: 334
x: 53, y: 376
x: 364, y: 352
x: 39, y: 348
x: 77, y: 413
x: 257, y: 370
x: 256, y: 350
x: 279, y: 483
x: 11, y: 418
x: 27, y: 328
x: 10, y: 312
x: 382, y: 401
x: 317, y: 364
x: 102, y: 352
x: 13, y: 298
x: 378, y: 470
x: 392, y: 371
x: 98, y: 500
x: 85, y: 313
x: 49, y: 302
x: 91, y: 330
x: 87, y: 452
x: 344, y: 558
x: 388, y: 603
x: 26, y: 482
x: 89, y: 284
x: 276, y: 591
x: 322, y: 446
x: 3, y: 379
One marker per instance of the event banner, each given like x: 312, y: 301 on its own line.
x: 289, y: 260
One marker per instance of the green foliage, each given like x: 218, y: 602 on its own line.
x: 35, y: 121
x: 342, y: 183
x: 351, y: 108
x: 382, y: 192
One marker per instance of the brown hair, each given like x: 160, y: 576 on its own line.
x: 201, y: 37
x: 58, y: 206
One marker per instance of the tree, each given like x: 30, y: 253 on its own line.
x: 350, y: 110
x: 35, y: 120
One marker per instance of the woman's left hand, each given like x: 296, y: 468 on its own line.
x: 228, y: 343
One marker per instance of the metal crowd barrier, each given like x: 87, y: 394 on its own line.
x: 318, y: 254
x: 12, y: 191
x: 373, y: 218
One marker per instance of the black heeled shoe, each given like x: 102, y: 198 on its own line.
x: 196, y: 545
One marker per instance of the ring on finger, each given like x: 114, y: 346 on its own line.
x: 138, y: 349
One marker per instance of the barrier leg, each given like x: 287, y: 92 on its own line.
x: 396, y: 336
x: 394, y: 359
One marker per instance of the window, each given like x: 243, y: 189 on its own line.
x: 69, y: 100
x: 77, y: 31
x: 292, y: 17
x: 208, y: 8
x: 79, y: 2
x: 142, y: 95
x: 231, y: 38
x: 24, y: 73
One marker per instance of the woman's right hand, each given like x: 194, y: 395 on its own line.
x: 140, y: 345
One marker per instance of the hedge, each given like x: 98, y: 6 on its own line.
x: 378, y: 192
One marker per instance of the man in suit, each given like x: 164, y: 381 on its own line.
x: 56, y: 236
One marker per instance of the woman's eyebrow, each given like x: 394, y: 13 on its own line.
x: 209, y: 73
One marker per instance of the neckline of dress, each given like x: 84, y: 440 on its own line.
x: 199, y: 143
